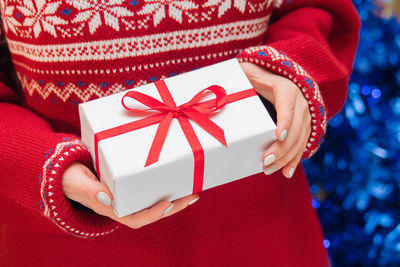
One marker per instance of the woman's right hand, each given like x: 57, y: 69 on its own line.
x: 81, y: 185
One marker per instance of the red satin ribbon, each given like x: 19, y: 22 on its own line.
x: 194, y: 110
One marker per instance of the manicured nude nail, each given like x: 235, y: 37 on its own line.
x: 269, y: 159
x: 283, y: 135
x: 270, y: 169
x: 104, y: 198
x: 291, y: 172
x: 193, y: 201
x: 169, y: 209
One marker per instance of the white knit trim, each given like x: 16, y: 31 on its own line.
x: 49, y: 206
x: 277, y: 56
x: 143, y: 45
x: 45, y: 176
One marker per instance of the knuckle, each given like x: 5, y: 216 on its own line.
x: 155, y: 216
x: 303, y: 103
x: 273, y: 149
x: 276, y: 86
x: 290, y: 155
x: 151, y: 215
x: 282, y: 162
x: 292, y: 108
x: 294, y: 162
x: 88, y: 173
x: 286, y: 83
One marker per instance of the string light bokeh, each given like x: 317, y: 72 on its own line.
x: 355, y: 176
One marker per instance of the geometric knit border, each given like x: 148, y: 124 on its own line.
x: 92, y: 90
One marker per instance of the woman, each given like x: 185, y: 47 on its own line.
x: 297, y: 54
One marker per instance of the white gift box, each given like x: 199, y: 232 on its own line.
x: 247, y: 125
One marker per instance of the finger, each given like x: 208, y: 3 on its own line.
x: 285, y: 104
x: 81, y: 185
x: 85, y: 188
x: 277, y: 90
x: 300, y: 121
x: 146, y: 216
x: 284, y: 160
x: 280, y: 153
x: 261, y: 79
x: 181, y: 203
x: 289, y: 169
x: 160, y: 210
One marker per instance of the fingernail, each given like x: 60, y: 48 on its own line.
x: 270, y: 159
x: 194, y: 200
x: 104, y: 198
x: 291, y: 172
x: 270, y: 169
x: 283, y: 135
x: 169, y: 208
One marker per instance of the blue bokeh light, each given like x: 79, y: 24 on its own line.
x: 354, y: 176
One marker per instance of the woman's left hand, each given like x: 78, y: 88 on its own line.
x: 293, y: 119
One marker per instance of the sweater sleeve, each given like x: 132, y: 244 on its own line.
x: 312, y: 43
x: 32, y: 161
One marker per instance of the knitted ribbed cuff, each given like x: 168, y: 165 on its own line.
x: 56, y: 206
x: 279, y: 63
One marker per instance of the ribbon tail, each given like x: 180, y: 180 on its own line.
x: 159, y: 139
x: 207, y: 124
x: 198, y: 153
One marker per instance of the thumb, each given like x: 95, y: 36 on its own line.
x: 81, y: 185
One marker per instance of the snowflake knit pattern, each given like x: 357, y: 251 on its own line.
x: 72, y: 51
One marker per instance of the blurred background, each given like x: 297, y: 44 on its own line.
x: 355, y: 176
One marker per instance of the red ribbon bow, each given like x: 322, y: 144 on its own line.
x: 193, y: 109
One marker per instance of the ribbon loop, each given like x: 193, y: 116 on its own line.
x: 220, y: 99
x: 146, y: 100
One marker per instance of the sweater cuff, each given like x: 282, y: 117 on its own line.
x: 56, y: 206
x: 280, y: 63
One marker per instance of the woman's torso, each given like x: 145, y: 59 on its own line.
x: 70, y: 51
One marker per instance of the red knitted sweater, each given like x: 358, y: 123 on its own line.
x: 56, y: 54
